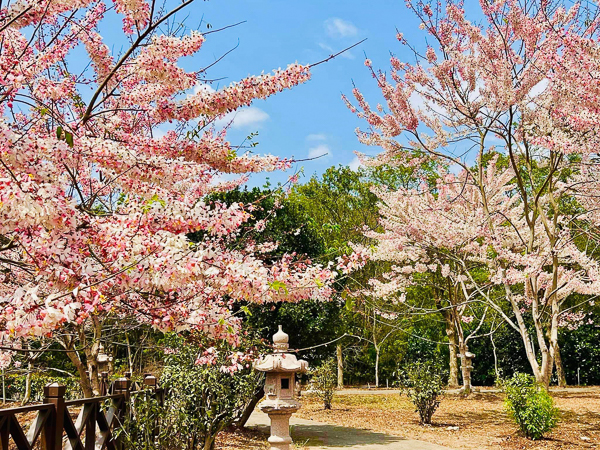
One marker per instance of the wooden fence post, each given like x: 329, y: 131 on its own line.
x: 122, y: 386
x: 53, y: 428
x: 150, y: 381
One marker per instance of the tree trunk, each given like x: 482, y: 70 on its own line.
x: 528, y: 342
x: 496, y: 370
x: 84, y: 381
x: 91, y: 354
x: 241, y: 423
x: 547, y: 362
x: 453, y: 366
x: 377, y: 367
x: 30, y: 358
x: 209, y: 442
x: 93, y: 373
x: 560, y: 371
x: 129, y: 359
x: 340, y: 367
x: 27, y: 384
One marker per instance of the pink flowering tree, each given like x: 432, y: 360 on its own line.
x: 431, y: 255
x: 96, y: 203
x: 509, y: 106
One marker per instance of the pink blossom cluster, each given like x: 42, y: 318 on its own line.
x: 5, y: 359
x: 96, y: 204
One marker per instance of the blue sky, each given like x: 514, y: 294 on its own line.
x: 310, y: 119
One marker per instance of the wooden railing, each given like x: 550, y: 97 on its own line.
x: 54, y: 429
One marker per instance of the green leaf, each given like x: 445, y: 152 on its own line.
x: 246, y: 310
x: 69, y: 138
x: 277, y: 285
x: 231, y: 155
x: 349, y: 304
x: 59, y: 131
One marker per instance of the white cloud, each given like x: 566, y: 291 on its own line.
x: 347, y: 54
x: 316, y: 137
x: 243, y: 118
x: 319, y: 150
x: 355, y: 163
x: 203, y: 87
x: 339, y: 28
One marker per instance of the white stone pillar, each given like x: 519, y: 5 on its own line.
x: 280, y: 438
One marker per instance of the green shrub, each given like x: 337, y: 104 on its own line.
x: 141, y: 428
x: 530, y: 405
x: 323, y: 381
x: 423, y: 383
x: 15, y: 386
x: 201, y: 399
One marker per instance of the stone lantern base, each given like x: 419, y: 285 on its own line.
x: 280, y: 438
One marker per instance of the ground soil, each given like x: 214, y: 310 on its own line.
x: 480, y: 418
x: 241, y: 439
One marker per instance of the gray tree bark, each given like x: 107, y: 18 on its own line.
x: 453, y: 341
x: 340, y: 367
x: 560, y: 371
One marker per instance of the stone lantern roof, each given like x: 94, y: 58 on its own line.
x: 279, y: 361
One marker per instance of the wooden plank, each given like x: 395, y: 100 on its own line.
x: 105, y: 419
x: 4, y: 432
x: 37, y: 426
x: 90, y: 428
x: 18, y: 435
x: 73, y: 440
x: 83, y: 401
x: 83, y: 417
x: 24, y: 409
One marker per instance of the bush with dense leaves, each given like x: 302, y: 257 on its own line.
x: 203, y: 397
x: 423, y: 383
x: 323, y: 382
x: 15, y: 386
x: 530, y: 405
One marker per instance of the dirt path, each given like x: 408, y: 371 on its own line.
x: 315, y: 435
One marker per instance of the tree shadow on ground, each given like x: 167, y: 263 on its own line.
x: 335, y: 436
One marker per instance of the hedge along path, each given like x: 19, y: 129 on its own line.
x: 320, y: 436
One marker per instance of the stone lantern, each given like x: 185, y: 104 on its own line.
x: 467, y: 363
x: 104, y: 360
x: 280, y: 389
